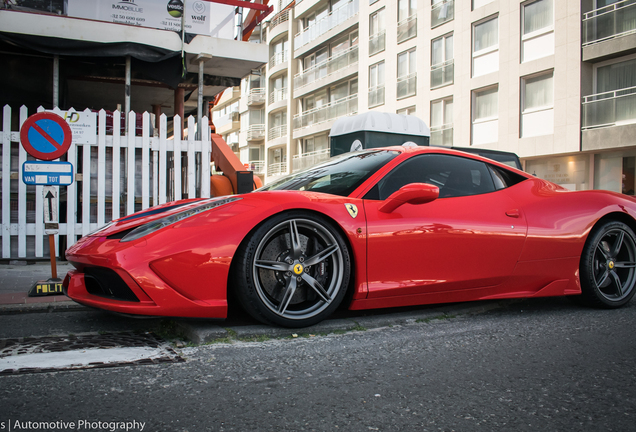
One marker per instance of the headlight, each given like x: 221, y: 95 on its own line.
x: 155, y: 225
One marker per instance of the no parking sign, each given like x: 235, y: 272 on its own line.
x: 46, y: 136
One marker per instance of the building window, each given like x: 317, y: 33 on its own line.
x: 486, y: 47
x: 537, y: 33
x: 571, y: 172
x: 376, y: 84
x: 442, y: 11
x: 614, y: 101
x: 616, y: 171
x: 377, y: 32
x: 278, y: 87
x: 279, y: 53
x: 442, y: 63
x: 407, y: 111
x: 485, y: 116
x: 537, y: 105
x: 442, y: 122
x: 406, y: 74
x: 407, y: 20
x: 479, y: 3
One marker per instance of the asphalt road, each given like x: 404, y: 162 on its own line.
x: 539, y: 365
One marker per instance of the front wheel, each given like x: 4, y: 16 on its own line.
x: 608, y: 266
x: 293, y: 271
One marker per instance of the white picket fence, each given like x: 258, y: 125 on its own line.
x: 159, y: 170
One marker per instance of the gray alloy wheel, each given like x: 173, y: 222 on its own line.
x: 295, y: 271
x: 608, y: 266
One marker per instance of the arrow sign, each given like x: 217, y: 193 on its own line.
x: 50, y: 208
x: 48, y: 197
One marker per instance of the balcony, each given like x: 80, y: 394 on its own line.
x: 377, y: 43
x: 276, y: 169
x: 376, y: 96
x: 325, y: 113
x: 329, y: 22
x: 307, y: 160
x: 278, y: 95
x: 442, y: 12
x: 613, y: 108
x: 442, y: 135
x: 407, y: 28
x: 277, y: 132
x: 256, y: 132
x: 324, y: 69
x: 225, y: 123
x: 256, y: 96
x: 407, y: 85
x: 278, y: 58
x: 281, y: 18
x: 258, y: 167
x: 609, y: 22
x: 443, y: 74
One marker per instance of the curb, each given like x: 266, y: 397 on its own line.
x: 201, y: 333
x: 63, y: 306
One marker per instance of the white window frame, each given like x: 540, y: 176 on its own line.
x: 409, y: 110
x: 607, y: 63
x: 482, y: 120
x: 539, y: 32
x: 523, y: 92
x: 484, y: 51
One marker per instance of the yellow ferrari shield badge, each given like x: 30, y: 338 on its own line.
x: 352, y: 209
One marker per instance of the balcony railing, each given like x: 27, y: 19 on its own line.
x: 407, y: 28
x: 407, y: 85
x: 330, y: 111
x: 278, y: 95
x: 442, y: 135
x: 257, y: 166
x: 281, y: 18
x: 376, y: 96
x: 306, y: 160
x: 610, y: 108
x: 327, y: 23
x: 443, y: 73
x: 442, y: 12
x: 276, y: 169
x: 326, y: 68
x: 256, y: 132
x: 278, y: 58
x: 233, y: 116
x: 256, y: 96
x: 617, y: 19
x: 277, y: 132
x: 377, y: 42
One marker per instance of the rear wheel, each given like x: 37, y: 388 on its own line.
x: 608, y: 266
x: 293, y: 271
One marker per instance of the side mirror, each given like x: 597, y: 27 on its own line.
x: 413, y: 193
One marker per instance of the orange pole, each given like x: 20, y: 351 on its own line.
x: 52, y: 253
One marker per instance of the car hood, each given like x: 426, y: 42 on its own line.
x: 134, y: 220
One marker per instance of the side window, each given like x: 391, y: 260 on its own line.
x: 454, y: 175
x: 504, y: 178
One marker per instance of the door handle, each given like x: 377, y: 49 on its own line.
x: 513, y: 213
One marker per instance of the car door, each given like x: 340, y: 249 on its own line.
x: 469, y: 237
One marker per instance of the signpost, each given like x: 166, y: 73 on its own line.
x: 47, y: 136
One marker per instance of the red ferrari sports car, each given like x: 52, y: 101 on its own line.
x: 371, y: 229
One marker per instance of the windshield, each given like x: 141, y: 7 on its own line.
x: 339, y: 175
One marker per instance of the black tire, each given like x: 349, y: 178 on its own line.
x: 608, y: 266
x: 293, y: 270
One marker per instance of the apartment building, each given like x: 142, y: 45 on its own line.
x: 552, y: 80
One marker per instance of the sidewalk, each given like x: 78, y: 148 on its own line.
x: 17, y: 279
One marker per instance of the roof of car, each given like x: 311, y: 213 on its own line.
x: 373, y: 121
